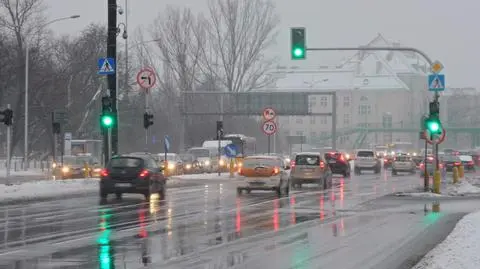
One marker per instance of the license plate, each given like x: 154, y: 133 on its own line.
x: 332, y: 161
x: 123, y: 185
x: 308, y: 170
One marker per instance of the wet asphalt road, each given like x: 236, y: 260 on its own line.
x: 208, y: 226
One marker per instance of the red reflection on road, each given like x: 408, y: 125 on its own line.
x: 322, y: 207
x: 342, y: 186
x: 275, y: 215
x: 293, y: 217
x: 238, y: 218
x: 141, y: 218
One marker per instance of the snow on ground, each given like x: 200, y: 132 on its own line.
x: 418, y: 194
x: 459, y: 250
x: 463, y: 188
x: 29, y: 172
x: 474, y: 180
x: 206, y: 176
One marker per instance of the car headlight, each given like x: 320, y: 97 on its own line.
x: 54, y: 165
x: 414, y: 154
x: 97, y: 170
x: 171, y: 166
x: 207, y: 162
x: 188, y: 166
x: 347, y: 156
x: 221, y: 162
x: 287, y: 160
x: 65, y: 169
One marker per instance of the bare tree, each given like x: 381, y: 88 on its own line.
x: 239, y: 33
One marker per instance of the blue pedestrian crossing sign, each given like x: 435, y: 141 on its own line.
x: 436, y: 82
x: 106, y: 66
x: 166, y: 142
x: 231, y: 151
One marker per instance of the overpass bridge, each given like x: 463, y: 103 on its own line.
x: 362, y: 133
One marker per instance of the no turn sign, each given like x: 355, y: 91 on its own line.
x: 269, y: 114
x: 269, y: 127
x: 146, y: 78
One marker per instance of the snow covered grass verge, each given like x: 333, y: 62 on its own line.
x: 459, y: 250
x: 463, y: 188
x: 474, y: 180
x: 30, y: 172
x: 44, y: 189
x: 418, y: 194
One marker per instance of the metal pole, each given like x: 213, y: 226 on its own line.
x: 219, y: 152
x: 268, y: 142
x: 25, y: 146
x: 334, y: 121
x: 126, y: 48
x: 112, y: 53
x: 425, y: 170
x: 109, y: 146
x: 275, y: 137
x: 9, y: 141
x: 146, y: 109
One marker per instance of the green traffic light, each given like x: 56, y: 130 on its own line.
x: 107, y: 121
x: 434, y: 126
x: 298, y: 53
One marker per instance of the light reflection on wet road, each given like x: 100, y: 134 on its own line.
x: 200, y: 227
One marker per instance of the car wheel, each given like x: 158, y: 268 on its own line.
x: 103, y: 194
x: 147, y: 196
x: 239, y: 191
x: 278, y: 190
x: 394, y: 172
x: 118, y: 195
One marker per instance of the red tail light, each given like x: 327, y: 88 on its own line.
x: 457, y: 163
x: 292, y: 164
x: 440, y: 165
x: 342, y: 158
x: 470, y: 163
x: 144, y: 173
x: 104, y: 173
x: 322, y: 164
x: 240, y: 171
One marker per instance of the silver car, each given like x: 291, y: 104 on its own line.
x: 310, y: 167
x: 403, y: 164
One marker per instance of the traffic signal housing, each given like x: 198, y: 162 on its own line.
x: 219, y: 130
x: 106, y: 119
x: 7, y: 116
x: 298, y: 48
x: 147, y: 120
x: 432, y: 123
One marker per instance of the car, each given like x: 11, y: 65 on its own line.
x: 263, y: 173
x: 132, y: 174
x: 451, y: 161
x: 403, y: 164
x: 387, y: 161
x: 310, y: 167
x: 366, y: 160
x: 174, y: 164
x: 190, y: 164
x: 76, y: 166
x: 431, y: 163
x: 338, y: 163
x: 468, y: 163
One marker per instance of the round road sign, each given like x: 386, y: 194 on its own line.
x: 146, y: 78
x: 439, y: 140
x: 269, y: 127
x: 269, y: 114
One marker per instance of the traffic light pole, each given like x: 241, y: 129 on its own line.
x: 111, y: 79
x: 9, y: 142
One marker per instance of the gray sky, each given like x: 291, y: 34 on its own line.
x: 445, y: 30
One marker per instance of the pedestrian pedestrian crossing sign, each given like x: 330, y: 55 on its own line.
x: 436, y: 82
x: 106, y: 66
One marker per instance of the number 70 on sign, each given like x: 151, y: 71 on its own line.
x: 269, y: 127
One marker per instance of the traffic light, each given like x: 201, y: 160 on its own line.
x: 298, y: 43
x: 7, y: 116
x: 432, y: 123
x: 147, y: 120
x: 219, y: 130
x: 107, y: 120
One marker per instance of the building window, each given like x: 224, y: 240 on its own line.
x: 364, y: 109
x: 323, y: 120
x: 346, y: 119
x: 311, y: 104
x: 346, y: 101
x: 312, y: 120
x: 299, y: 120
x: 300, y: 133
x: 323, y: 101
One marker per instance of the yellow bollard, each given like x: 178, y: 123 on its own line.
x: 455, y: 175
x: 165, y: 169
x: 437, y: 177
x: 86, y: 170
x: 232, y: 167
x: 461, y: 171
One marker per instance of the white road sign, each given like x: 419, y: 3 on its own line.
x: 269, y: 127
x: 146, y: 78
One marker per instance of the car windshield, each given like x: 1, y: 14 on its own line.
x: 126, y: 162
x: 307, y: 160
x: 267, y: 162
x: 365, y: 154
x: 466, y: 158
x: 199, y: 153
x: 451, y: 158
x: 403, y: 159
x: 77, y: 160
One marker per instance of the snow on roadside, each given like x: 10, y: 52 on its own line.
x: 474, y: 180
x: 418, y: 194
x: 459, y: 250
x: 30, y: 172
x: 52, y: 188
x: 462, y: 188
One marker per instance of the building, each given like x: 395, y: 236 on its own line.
x: 374, y: 90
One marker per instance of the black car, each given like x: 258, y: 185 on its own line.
x: 451, y: 161
x: 132, y: 174
x: 338, y: 163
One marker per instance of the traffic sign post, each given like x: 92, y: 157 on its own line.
x: 269, y: 128
x: 269, y: 114
x: 146, y: 78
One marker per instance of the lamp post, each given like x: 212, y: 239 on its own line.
x: 27, y: 56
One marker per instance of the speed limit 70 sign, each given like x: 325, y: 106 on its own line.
x: 269, y: 127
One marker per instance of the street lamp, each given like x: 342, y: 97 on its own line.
x: 27, y: 56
